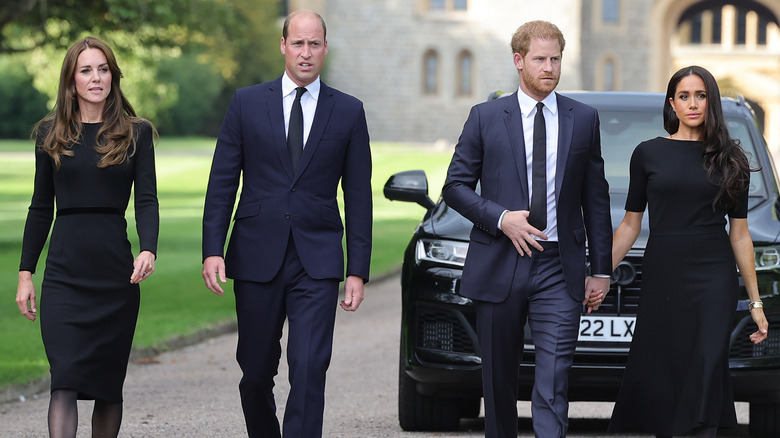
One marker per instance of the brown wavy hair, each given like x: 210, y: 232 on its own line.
x: 521, y: 40
x: 723, y: 158
x: 62, y: 127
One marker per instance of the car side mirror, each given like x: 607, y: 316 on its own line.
x: 409, y: 186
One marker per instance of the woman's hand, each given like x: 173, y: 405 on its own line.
x: 143, y: 267
x: 761, y: 322
x: 25, y: 295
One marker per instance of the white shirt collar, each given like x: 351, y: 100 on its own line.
x: 528, y: 104
x: 288, y: 87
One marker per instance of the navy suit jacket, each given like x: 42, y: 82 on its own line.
x: 491, y: 149
x: 278, y: 201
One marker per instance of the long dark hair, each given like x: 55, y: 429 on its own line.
x: 62, y: 127
x: 723, y: 158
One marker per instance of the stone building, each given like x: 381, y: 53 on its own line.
x: 419, y: 65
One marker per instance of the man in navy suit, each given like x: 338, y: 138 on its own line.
x: 526, y: 258
x: 289, y: 142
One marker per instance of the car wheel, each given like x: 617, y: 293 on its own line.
x: 419, y: 412
x: 469, y: 407
x: 764, y: 420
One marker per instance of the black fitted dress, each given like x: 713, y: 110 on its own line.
x: 88, y: 308
x: 677, y: 375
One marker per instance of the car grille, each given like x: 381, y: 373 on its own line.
x: 444, y: 330
x: 743, y: 348
x: 623, y: 298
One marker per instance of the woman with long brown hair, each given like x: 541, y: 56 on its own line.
x: 91, y: 151
x: 677, y: 375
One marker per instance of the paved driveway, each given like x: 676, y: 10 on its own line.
x: 193, y: 392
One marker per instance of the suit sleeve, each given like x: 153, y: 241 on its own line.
x: 596, y: 207
x: 463, y: 175
x: 356, y: 185
x: 223, y: 182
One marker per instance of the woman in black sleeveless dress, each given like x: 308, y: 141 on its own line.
x: 90, y: 152
x: 677, y: 376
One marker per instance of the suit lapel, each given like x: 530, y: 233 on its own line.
x: 275, y: 111
x: 565, y: 130
x: 513, y: 118
x: 322, y: 114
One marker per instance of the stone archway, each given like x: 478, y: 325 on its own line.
x: 756, y: 75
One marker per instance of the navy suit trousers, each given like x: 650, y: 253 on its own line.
x: 309, y: 305
x: 538, y: 295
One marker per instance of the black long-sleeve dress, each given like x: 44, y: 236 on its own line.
x: 677, y: 375
x: 88, y: 308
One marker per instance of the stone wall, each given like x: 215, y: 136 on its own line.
x: 376, y: 50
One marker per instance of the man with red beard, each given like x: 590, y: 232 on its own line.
x: 537, y: 156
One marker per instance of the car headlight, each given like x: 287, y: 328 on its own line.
x: 767, y: 258
x: 449, y: 252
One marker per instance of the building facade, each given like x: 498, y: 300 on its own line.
x: 419, y: 65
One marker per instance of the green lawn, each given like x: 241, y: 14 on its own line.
x: 174, y: 301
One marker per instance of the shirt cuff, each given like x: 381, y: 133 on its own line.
x: 501, y: 218
x: 600, y: 276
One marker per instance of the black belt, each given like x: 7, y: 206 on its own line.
x: 547, y: 244
x: 89, y: 210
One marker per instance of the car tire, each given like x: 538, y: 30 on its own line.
x: 764, y: 420
x: 417, y: 412
x: 470, y: 407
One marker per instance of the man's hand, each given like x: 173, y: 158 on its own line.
x: 214, y: 273
x: 596, y: 289
x: 353, y: 293
x: 515, y: 225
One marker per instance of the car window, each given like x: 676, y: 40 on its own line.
x: 622, y: 131
x: 738, y: 128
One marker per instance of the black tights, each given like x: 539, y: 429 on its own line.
x: 64, y: 416
x: 702, y: 432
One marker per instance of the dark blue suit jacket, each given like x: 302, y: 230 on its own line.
x: 491, y: 149
x: 278, y: 201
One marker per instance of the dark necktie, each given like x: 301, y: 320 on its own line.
x: 538, y: 212
x: 295, y: 128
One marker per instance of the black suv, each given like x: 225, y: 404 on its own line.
x: 440, y: 364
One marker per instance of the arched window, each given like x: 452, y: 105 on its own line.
x: 431, y: 72
x: 728, y: 24
x: 465, y: 73
x: 609, y: 75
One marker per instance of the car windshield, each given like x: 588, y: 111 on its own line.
x: 621, y: 131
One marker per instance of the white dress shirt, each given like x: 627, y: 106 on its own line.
x: 550, y: 112
x: 308, y: 103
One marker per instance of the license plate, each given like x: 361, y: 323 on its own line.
x: 606, y: 328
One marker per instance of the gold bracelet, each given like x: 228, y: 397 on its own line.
x: 756, y: 305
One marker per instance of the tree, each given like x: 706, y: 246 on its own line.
x: 27, y: 24
x: 22, y: 105
x: 238, y: 40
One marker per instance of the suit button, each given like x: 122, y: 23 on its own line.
x: 292, y: 189
x: 287, y: 215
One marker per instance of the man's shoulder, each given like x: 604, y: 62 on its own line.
x: 576, y: 105
x: 341, y: 96
x: 265, y: 87
x: 500, y: 103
